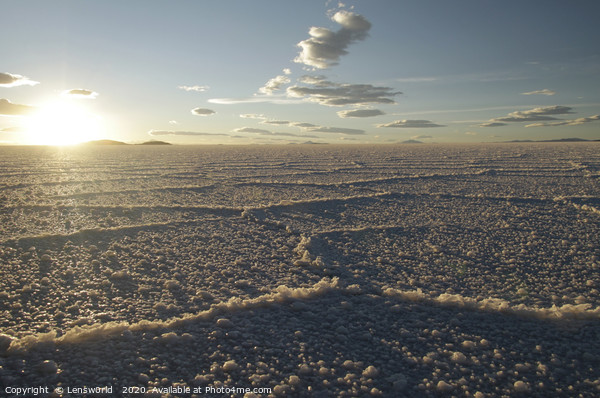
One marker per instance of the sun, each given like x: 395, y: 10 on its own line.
x: 63, y: 122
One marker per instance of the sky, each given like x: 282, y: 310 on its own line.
x: 279, y: 72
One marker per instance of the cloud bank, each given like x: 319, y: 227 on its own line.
x: 12, y: 80
x: 536, y: 114
x: 339, y: 94
x: 8, y: 108
x: 571, y: 122
x: 540, y: 114
x: 324, y: 47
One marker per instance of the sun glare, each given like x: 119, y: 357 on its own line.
x: 63, y: 122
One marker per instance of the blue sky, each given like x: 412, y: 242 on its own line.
x: 268, y: 71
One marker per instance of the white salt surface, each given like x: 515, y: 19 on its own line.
x: 454, y: 270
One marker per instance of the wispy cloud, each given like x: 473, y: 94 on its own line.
x: 264, y: 132
x: 340, y: 130
x: 492, y: 124
x: 193, y: 88
x: 339, y: 94
x: 13, y: 80
x: 252, y: 116
x: 410, y: 124
x: 421, y: 137
x: 360, y: 113
x: 567, y: 122
x: 541, y: 92
x: 276, y: 122
x: 303, y: 125
x: 80, y: 93
x: 12, y: 129
x: 416, y: 79
x: 8, y: 108
x: 274, y: 99
x: 203, y: 112
x: 182, y: 133
x: 251, y: 130
x: 325, y: 47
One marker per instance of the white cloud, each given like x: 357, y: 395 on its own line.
x: 203, y: 112
x: 325, y: 47
x: 336, y: 94
x: 535, y: 115
x: 8, y: 108
x: 12, y: 80
x: 340, y: 130
x: 193, y: 88
x: 287, y: 71
x: 174, y: 122
x: 542, y: 92
x: 276, y: 122
x: 182, y: 133
x: 252, y: 116
x: 360, y: 113
x: 80, y: 93
x: 303, y: 125
x: 571, y: 122
x: 421, y: 137
x: 410, y: 124
x: 251, y: 130
x: 492, y: 124
x: 274, y: 84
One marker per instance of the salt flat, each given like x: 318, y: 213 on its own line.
x: 401, y: 270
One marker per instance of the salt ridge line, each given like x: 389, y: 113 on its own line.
x: 496, y: 305
x: 89, y: 232
x: 543, y: 199
x: 245, y: 212
x: 284, y: 294
x: 198, y: 188
x: 244, y: 183
x: 78, y: 334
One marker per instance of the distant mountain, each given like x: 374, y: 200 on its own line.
x: 104, y: 142
x: 567, y: 140
x: 155, y: 143
x: 411, y: 142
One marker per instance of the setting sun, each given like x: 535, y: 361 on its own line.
x: 63, y: 122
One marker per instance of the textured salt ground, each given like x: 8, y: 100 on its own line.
x: 337, y: 344
x: 507, y: 236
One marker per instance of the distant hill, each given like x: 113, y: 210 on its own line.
x: 113, y: 142
x: 104, y: 142
x: 155, y: 143
x: 411, y: 142
x: 557, y: 140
